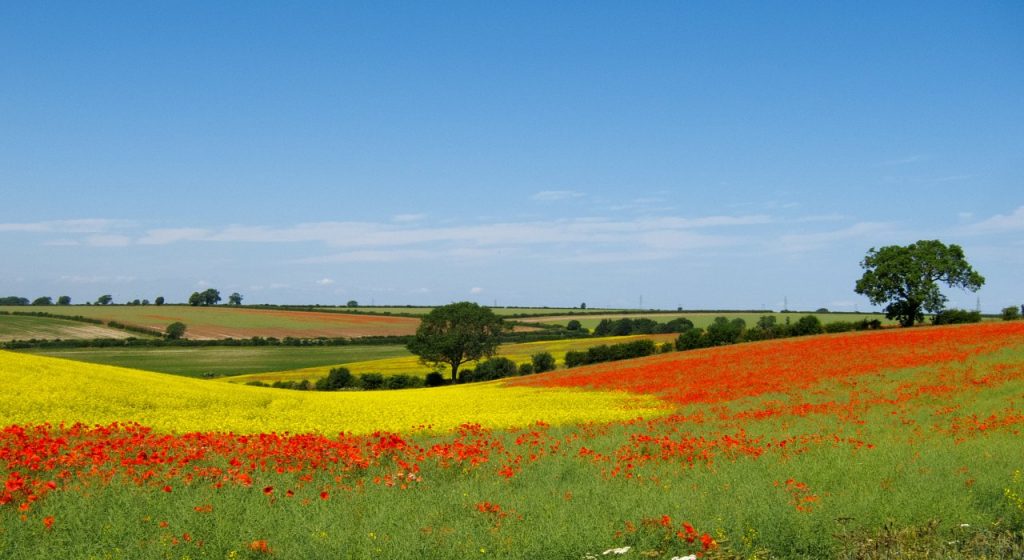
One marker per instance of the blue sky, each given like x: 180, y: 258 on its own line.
x: 703, y: 155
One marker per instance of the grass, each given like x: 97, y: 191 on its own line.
x: 224, y: 321
x: 409, y: 364
x: 912, y: 460
x: 18, y: 327
x: 702, y: 320
x: 503, y: 311
x: 217, y: 361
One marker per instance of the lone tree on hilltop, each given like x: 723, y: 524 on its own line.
x: 457, y: 333
x: 906, y: 278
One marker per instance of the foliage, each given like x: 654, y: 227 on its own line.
x: 956, y: 316
x: 542, y: 361
x: 610, y: 353
x: 371, y: 381
x: 457, y: 333
x: 105, y: 299
x: 209, y: 296
x: 176, y: 330
x: 352, y: 303
x: 159, y: 300
x: 692, y: 339
x: 64, y: 300
x: 906, y: 277
x: 338, y: 378
x: 235, y: 299
x: 807, y: 325
x: 1011, y: 313
x: 492, y: 368
x: 434, y: 379
x: 13, y: 300
x: 45, y: 300
x: 723, y: 331
x: 573, y: 325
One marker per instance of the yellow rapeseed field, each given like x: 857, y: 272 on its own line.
x: 38, y: 389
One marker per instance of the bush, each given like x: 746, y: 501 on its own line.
x: 371, y: 381
x: 175, y: 330
x: 575, y: 358
x: 807, y: 325
x: 526, y: 369
x: 1011, y: 313
x: 495, y: 368
x: 402, y: 381
x: 691, y: 340
x: 666, y: 348
x: 955, y: 317
x: 574, y: 325
x: 542, y: 362
x: 840, y: 326
x: 434, y: 379
x: 723, y: 331
x: 338, y: 378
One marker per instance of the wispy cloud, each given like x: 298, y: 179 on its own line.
x: 1000, y: 223
x: 89, y: 225
x: 803, y: 242
x: 548, y: 196
x: 906, y: 160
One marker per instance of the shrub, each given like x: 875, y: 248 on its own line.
x: 956, y: 316
x: 666, y: 348
x: 175, y: 330
x: 723, y: 331
x: 574, y: 325
x: 575, y: 358
x: 840, y: 326
x: 338, y: 378
x: 691, y: 340
x: 402, y: 381
x: 1011, y: 313
x: 495, y: 368
x: 526, y: 369
x: 434, y: 379
x: 806, y: 325
x: 371, y: 381
x: 542, y: 362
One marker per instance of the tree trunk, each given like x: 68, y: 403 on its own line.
x: 455, y: 372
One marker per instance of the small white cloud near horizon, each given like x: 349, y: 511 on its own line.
x: 999, y: 223
x: 407, y: 218
x: 325, y: 282
x: 550, y: 196
x: 100, y: 240
x: 476, y: 290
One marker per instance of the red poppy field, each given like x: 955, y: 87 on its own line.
x: 901, y: 442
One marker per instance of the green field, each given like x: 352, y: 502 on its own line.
x: 503, y: 311
x: 19, y: 327
x: 239, y: 322
x: 225, y: 361
x: 407, y: 363
x: 703, y: 319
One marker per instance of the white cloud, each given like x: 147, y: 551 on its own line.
x: 476, y: 290
x: 407, y: 218
x: 999, y: 223
x: 88, y: 225
x: 324, y: 282
x: 108, y: 240
x: 550, y: 196
x: 803, y: 242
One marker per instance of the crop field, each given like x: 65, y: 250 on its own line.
x: 702, y: 319
x: 407, y: 363
x: 881, y: 444
x: 233, y: 322
x: 502, y: 311
x: 18, y: 327
x: 217, y: 361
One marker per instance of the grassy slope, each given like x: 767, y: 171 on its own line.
x: 16, y: 327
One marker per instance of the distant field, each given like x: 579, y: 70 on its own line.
x: 503, y: 311
x: 224, y: 322
x: 224, y: 361
x: 409, y: 364
x: 16, y: 327
x: 703, y: 319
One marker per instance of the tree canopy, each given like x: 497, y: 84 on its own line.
x: 209, y: 296
x: 457, y: 333
x: 906, y: 278
x: 235, y: 298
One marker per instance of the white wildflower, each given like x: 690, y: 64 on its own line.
x: 621, y: 550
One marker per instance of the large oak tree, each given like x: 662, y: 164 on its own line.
x: 906, y: 278
x: 457, y: 333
